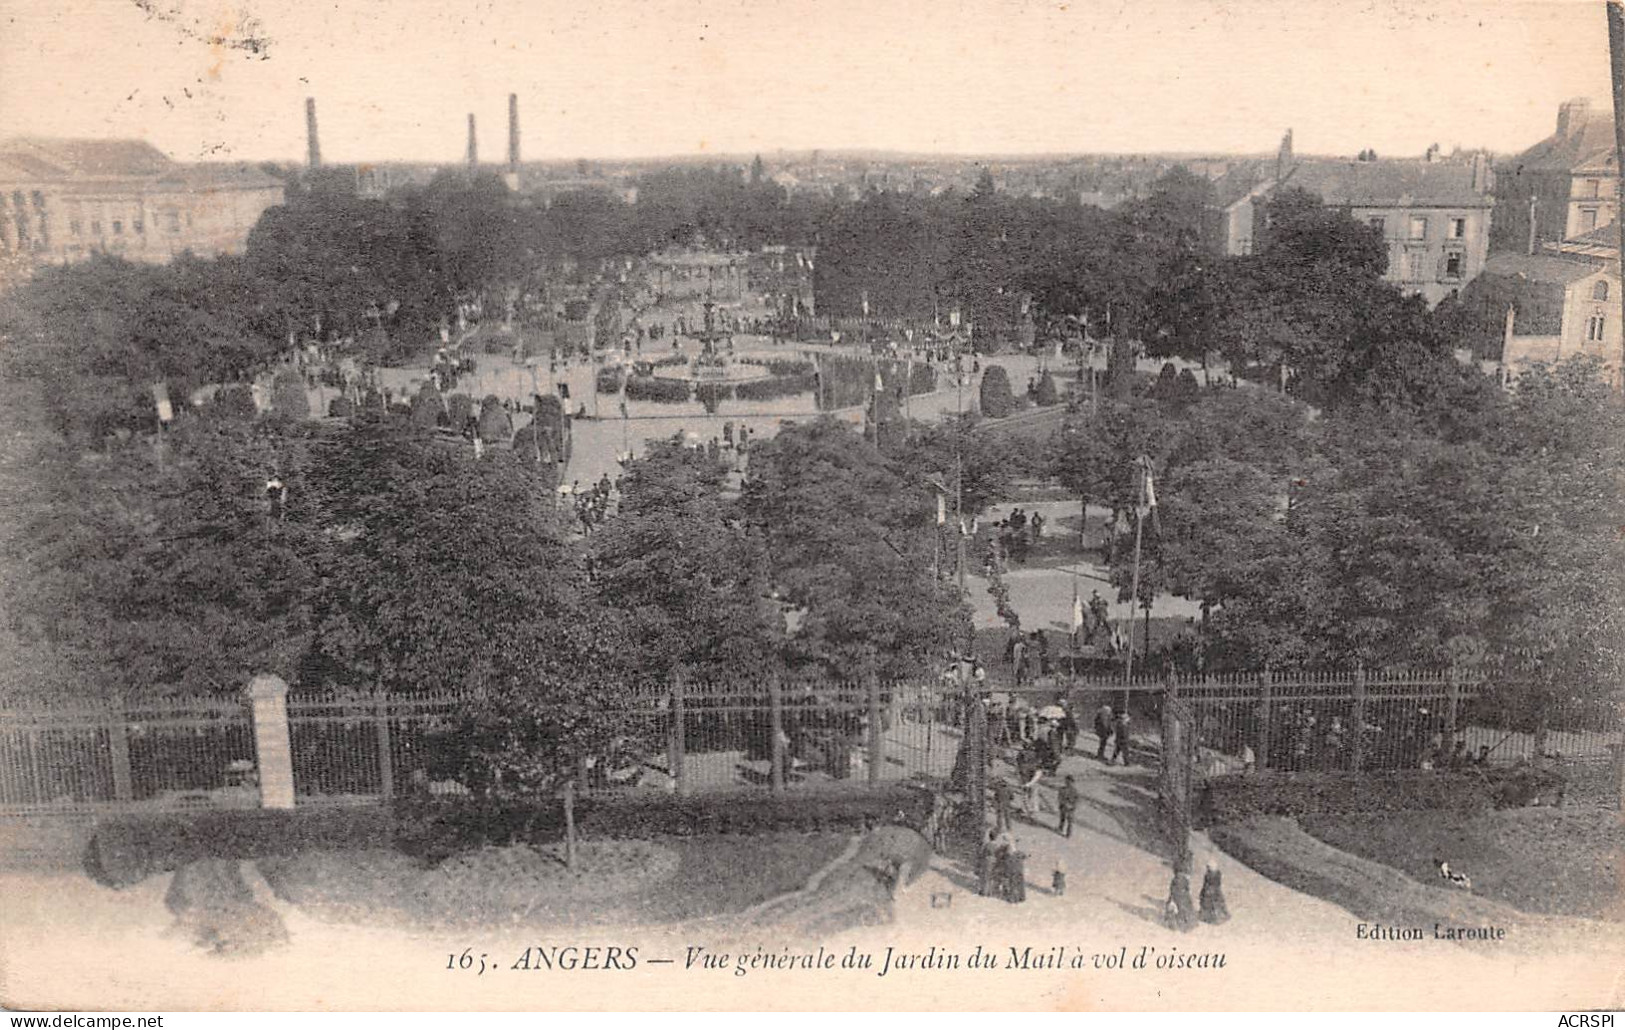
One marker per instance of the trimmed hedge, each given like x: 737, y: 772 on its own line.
x: 712, y: 395
x: 129, y: 849
x: 433, y: 829
x: 611, y: 378
x: 779, y: 386
x: 663, y: 391
x: 996, y: 399
x: 288, y: 396
x: 781, y: 367
x: 1046, y: 394
x: 459, y: 409
x: 495, y: 424
x: 1235, y: 798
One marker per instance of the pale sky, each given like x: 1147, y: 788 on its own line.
x: 396, y: 79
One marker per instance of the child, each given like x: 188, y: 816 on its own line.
x: 1057, y: 880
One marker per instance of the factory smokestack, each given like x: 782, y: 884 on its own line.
x: 312, y: 141
x: 473, y: 147
x: 513, y: 133
x: 511, y: 178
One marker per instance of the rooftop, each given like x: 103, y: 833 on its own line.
x: 1389, y: 183
x: 1583, y: 136
x: 65, y: 158
x: 68, y: 161
x: 1539, y: 268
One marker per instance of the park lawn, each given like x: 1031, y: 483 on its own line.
x: 713, y: 875
x: 1548, y: 861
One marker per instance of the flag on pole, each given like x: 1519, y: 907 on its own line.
x: 1077, y: 607
x: 160, y: 397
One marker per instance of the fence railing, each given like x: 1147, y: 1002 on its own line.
x: 696, y: 737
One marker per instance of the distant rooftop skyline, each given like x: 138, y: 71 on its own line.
x: 396, y: 79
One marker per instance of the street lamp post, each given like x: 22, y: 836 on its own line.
x: 1134, y: 590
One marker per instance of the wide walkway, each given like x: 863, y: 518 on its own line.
x: 68, y: 943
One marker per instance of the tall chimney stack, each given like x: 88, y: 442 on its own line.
x: 513, y: 133
x: 473, y: 147
x: 311, y: 140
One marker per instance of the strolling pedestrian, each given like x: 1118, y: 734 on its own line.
x: 1068, y: 727
x: 1029, y: 790
x: 1103, y: 729
x: 1002, y: 798
x: 986, y: 857
x: 1120, y: 737
x: 1066, y: 799
x: 1015, y: 875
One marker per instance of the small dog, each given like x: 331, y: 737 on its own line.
x: 1455, y: 879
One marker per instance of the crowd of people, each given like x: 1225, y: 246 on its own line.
x: 1045, y: 738
x: 591, y: 504
x: 1012, y: 538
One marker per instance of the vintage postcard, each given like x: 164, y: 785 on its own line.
x: 811, y: 505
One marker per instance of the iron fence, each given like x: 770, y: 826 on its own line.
x: 786, y: 735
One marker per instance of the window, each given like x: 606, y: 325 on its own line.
x: 1588, y: 219
x: 1458, y: 228
x: 95, y: 227
x: 118, y: 227
x: 1419, y: 227
x: 73, y: 226
x: 1379, y: 224
x: 174, y: 218
x: 1415, y: 264
x: 1594, y: 328
x: 1454, y: 262
x: 1600, y: 291
x: 139, y: 226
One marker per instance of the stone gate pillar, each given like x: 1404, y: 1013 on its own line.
x: 274, y: 756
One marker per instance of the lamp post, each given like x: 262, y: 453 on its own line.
x: 1144, y: 464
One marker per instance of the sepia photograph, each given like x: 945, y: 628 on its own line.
x: 812, y: 505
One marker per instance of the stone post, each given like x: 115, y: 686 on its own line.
x: 775, y: 700
x: 274, y: 757
x: 678, y: 745
x: 386, y: 757
x: 118, y: 753
x: 1262, y: 759
x: 876, y: 744
x: 1357, y: 748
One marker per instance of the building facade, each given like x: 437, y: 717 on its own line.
x: 65, y: 200
x: 1562, y: 309
x: 1566, y: 185
x: 1434, y: 215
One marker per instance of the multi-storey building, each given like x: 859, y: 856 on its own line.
x: 1566, y: 185
x: 64, y: 200
x: 1556, y: 309
x: 1434, y: 215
